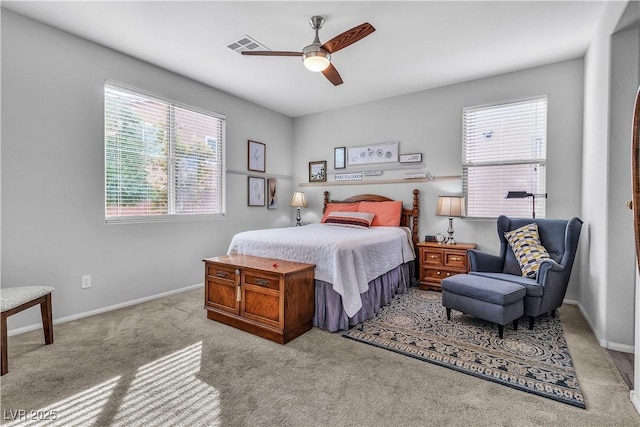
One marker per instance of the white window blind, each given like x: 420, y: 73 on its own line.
x: 163, y: 161
x: 504, y: 149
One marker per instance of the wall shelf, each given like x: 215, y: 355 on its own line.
x: 380, y: 166
x: 378, y: 181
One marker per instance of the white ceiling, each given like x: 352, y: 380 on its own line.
x: 417, y: 45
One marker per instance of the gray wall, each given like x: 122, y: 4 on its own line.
x: 625, y: 79
x: 430, y: 122
x: 53, y: 229
x: 606, y: 289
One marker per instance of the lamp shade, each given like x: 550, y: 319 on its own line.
x: 298, y: 201
x: 518, y: 195
x: 451, y: 206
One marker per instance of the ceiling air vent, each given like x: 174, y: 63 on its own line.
x: 245, y: 43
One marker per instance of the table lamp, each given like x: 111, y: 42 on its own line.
x: 451, y: 206
x: 298, y: 201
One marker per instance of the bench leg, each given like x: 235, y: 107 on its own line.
x: 47, y: 319
x: 448, y: 314
x: 4, y: 368
x: 515, y: 325
x: 532, y: 319
x: 500, y: 331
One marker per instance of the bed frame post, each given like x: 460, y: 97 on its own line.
x: 326, y: 201
x: 414, y: 217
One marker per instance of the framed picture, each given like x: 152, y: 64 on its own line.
x: 272, y: 193
x: 318, y: 171
x: 256, y: 156
x: 256, y: 191
x: 411, y: 158
x: 339, y: 161
x: 386, y: 152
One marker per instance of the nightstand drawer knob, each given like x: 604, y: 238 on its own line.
x: 438, y: 273
x: 448, y: 274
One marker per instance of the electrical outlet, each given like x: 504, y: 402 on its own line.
x: 86, y: 282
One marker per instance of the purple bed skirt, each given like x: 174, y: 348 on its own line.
x: 330, y: 315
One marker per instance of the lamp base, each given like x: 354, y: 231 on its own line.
x: 450, y: 239
x: 298, y: 218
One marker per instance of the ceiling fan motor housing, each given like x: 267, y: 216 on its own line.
x: 315, y: 58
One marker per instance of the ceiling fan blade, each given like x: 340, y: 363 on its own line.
x: 270, y: 53
x: 348, y: 37
x: 332, y: 75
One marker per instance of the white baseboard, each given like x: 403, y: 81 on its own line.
x: 33, y: 327
x: 634, y: 395
x: 625, y: 348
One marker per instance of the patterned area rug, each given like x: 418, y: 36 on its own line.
x: 536, y: 361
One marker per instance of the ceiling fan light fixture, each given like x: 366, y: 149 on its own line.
x: 316, y: 59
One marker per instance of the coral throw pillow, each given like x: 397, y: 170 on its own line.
x: 386, y: 213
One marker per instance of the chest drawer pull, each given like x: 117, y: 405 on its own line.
x: 262, y: 282
x: 222, y: 274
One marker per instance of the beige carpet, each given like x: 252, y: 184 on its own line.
x: 163, y: 363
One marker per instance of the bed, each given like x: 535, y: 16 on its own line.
x: 358, y: 268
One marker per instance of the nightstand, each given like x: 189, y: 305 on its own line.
x: 439, y: 260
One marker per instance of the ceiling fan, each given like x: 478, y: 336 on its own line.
x: 317, y: 56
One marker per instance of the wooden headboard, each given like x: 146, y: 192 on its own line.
x: 409, y: 217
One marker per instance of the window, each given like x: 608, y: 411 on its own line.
x: 163, y: 161
x: 504, y: 149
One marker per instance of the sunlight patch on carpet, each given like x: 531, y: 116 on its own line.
x: 536, y: 361
x: 167, y: 391
x: 81, y: 409
x: 161, y: 393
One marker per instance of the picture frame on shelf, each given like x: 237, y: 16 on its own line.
x: 318, y: 171
x: 256, y: 156
x: 339, y: 157
x: 386, y: 152
x: 272, y: 193
x: 411, y: 158
x: 255, y: 187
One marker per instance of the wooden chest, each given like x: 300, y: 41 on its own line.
x: 267, y: 297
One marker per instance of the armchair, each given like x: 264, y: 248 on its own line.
x: 544, y: 293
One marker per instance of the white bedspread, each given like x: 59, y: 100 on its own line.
x: 348, y: 258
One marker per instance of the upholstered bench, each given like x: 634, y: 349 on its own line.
x: 16, y: 299
x: 496, y: 301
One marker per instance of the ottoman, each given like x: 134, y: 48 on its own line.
x: 489, y: 299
